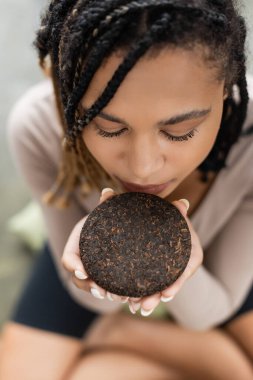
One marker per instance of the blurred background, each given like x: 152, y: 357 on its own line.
x: 18, y: 71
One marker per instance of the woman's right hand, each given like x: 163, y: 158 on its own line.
x: 72, y: 262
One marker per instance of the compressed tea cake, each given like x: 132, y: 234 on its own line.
x: 135, y: 244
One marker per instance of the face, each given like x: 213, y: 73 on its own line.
x: 161, y: 123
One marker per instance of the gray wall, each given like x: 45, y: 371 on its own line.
x: 247, y: 11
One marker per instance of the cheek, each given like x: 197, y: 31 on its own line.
x: 190, y: 155
x: 206, y: 139
x: 98, y: 147
x: 185, y: 156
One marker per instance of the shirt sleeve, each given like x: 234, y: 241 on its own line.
x: 35, y: 148
x: 220, y: 286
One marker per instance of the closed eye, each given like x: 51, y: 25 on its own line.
x: 169, y: 136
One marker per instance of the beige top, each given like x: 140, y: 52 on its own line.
x: 223, y: 220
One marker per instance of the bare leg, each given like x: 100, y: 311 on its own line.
x: 241, y: 330
x: 115, y: 365
x: 203, y: 355
x: 28, y: 353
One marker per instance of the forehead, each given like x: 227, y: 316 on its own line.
x: 166, y: 76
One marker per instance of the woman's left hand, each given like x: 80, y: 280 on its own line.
x: 148, y: 304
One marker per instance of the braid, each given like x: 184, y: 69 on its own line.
x: 122, y: 71
x: 50, y: 26
x: 95, y: 59
x: 91, y: 67
x: 80, y: 26
x: 233, y: 117
x: 79, y: 35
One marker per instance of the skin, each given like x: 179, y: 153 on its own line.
x: 37, y: 354
x: 211, y: 354
x: 175, y: 82
x: 172, y: 84
x: 242, y: 333
x: 169, y: 84
x: 71, y: 261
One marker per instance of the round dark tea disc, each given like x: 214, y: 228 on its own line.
x: 135, y: 244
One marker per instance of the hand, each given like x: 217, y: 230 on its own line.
x: 72, y: 262
x: 148, y: 304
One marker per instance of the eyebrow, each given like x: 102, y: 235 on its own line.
x: 191, y: 115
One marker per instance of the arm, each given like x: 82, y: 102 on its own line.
x: 34, y: 137
x: 219, y: 287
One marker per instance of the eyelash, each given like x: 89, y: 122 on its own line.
x: 185, y: 137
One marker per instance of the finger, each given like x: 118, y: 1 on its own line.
x: 106, y: 193
x: 81, y: 284
x: 75, y: 266
x: 182, y: 205
x: 133, y: 306
x: 190, y: 269
x: 148, y: 304
x: 97, y: 291
x: 124, y: 299
x: 89, y: 286
x: 71, y: 257
x: 115, y: 297
x: 195, y: 258
x: 135, y: 299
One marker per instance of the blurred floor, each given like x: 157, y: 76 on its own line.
x: 18, y: 71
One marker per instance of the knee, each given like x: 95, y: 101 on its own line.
x: 28, y: 353
x: 113, y: 364
x: 91, y: 366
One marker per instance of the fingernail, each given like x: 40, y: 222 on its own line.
x: 80, y: 275
x: 106, y: 190
x: 125, y: 300
x: 186, y: 202
x: 136, y: 306
x: 166, y: 299
x: 96, y: 294
x: 109, y: 296
x: 146, y: 313
x: 131, y: 309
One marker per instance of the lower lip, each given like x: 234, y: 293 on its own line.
x: 149, y: 190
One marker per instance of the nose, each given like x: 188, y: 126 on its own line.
x: 145, y: 158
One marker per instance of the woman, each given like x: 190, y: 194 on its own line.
x: 151, y: 96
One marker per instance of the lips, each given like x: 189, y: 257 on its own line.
x: 150, y: 189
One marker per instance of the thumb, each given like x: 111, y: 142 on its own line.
x: 106, y: 193
x: 182, y: 205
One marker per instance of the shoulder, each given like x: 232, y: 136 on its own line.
x: 35, y: 98
x: 33, y: 126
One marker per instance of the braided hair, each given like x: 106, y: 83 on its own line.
x: 78, y: 35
